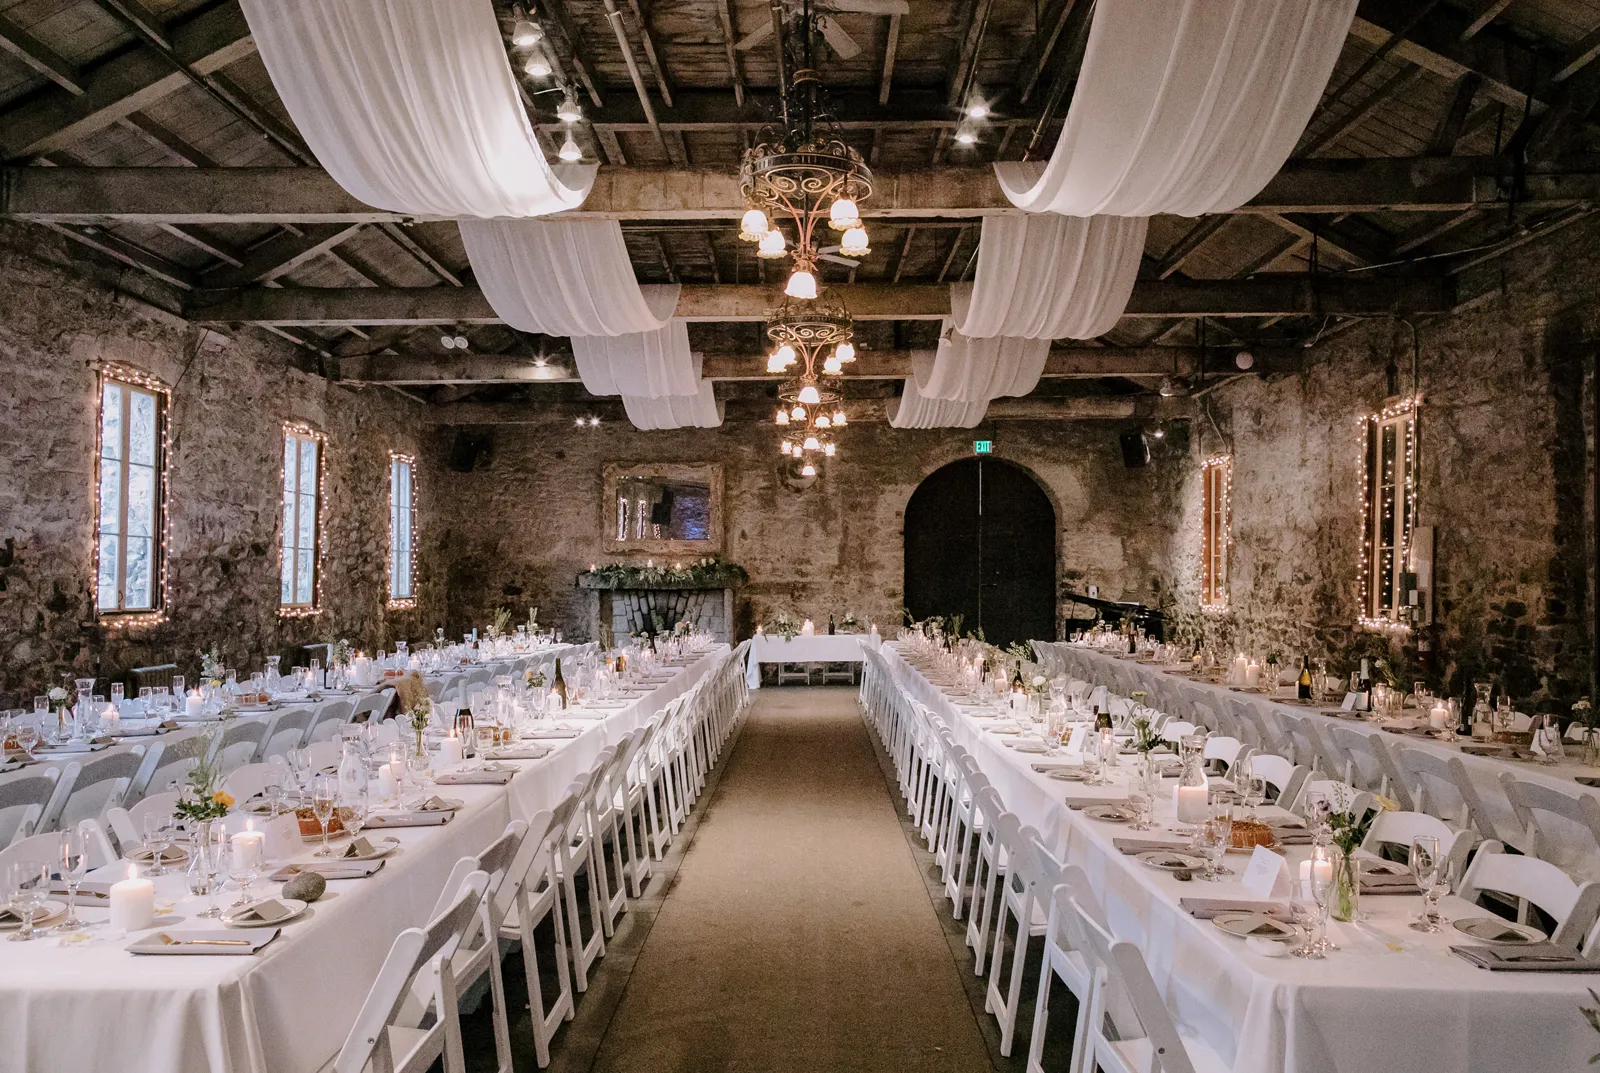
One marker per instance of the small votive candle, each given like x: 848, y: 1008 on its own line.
x: 1192, y: 803
x: 452, y: 750
x: 1439, y: 717
x: 1320, y: 868
x: 388, y: 782
x: 249, y: 845
x: 133, y: 902
x: 194, y: 706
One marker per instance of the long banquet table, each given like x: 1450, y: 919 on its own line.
x: 94, y: 1006
x: 820, y: 648
x: 1389, y: 999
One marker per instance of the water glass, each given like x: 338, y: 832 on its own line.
x: 324, y: 794
x: 1432, y: 871
x: 157, y: 837
x: 244, y: 865
x: 27, y: 884
x: 74, y: 862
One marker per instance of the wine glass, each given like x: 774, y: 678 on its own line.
x: 324, y: 793
x: 353, y: 811
x: 27, y: 734
x: 1432, y: 871
x: 27, y: 883
x: 1321, y: 884
x: 74, y: 866
x: 157, y: 835
x: 418, y: 769
x: 244, y: 865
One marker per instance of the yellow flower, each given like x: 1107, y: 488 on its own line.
x: 223, y: 798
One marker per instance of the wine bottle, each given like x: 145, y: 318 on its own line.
x: 1102, y: 720
x: 1016, y: 681
x: 1302, y: 685
x: 559, y: 686
x: 1364, y: 686
x: 830, y: 623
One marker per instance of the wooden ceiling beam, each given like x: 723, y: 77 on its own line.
x: 42, y: 59
x: 1263, y: 296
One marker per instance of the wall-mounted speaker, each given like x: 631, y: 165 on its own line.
x: 1135, y: 449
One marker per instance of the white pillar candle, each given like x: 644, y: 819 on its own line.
x: 1252, y: 675
x: 1322, y: 869
x: 110, y: 720
x: 388, y: 782
x: 249, y: 845
x: 452, y: 750
x: 1236, y: 676
x: 1439, y: 717
x: 1192, y: 803
x: 133, y: 903
x: 194, y: 705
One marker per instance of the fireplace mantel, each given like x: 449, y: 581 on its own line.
x: 708, y: 607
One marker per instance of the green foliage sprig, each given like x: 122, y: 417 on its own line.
x: 709, y: 572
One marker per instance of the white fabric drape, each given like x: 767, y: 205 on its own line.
x: 411, y: 105
x: 1185, y: 106
x: 1050, y: 277
x: 977, y: 370
x: 699, y: 410
x: 913, y: 410
x: 644, y: 365
x: 563, y: 277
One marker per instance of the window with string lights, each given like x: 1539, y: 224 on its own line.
x: 1216, y: 509
x: 402, y: 531
x: 1388, y: 514
x: 130, y: 568
x: 304, y: 469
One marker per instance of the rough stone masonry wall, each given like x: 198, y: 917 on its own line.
x: 520, y: 528
x: 229, y: 400
x: 1506, y: 477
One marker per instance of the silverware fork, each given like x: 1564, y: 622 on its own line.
x: 167, y: 940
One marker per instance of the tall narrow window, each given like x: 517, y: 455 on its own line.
x: 1216, y: 505
x: 402, y: 530
x: 1389, y: 505
x: 302, y: 521
x: 131, y: 489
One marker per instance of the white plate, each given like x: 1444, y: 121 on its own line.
x: 1025, y: 746
x: 171, y: 855
x: 1258, y: 926
x: 1497, y: 932
x: 1109, y: 813
x: 295, y: 906
x: 381, y: 847
x: 48, y: 913
x: 1171, y: 861
x: 1067, y: 774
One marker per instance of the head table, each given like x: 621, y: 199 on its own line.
x: 91, y: 1005
x: 1389, y: 999
x: 804, y: 648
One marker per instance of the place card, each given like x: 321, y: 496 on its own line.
x: 1351, y: 700
x: 360, y: 848
x: 1267, y: 874
x: 266, y: 911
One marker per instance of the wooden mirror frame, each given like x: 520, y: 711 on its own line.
x: 707, y: 473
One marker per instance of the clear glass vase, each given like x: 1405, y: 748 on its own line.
x: 1344, y: 898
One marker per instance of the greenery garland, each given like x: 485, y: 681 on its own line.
x: 709, y: 573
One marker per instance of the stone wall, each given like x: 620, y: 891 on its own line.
x: 1506, y: 477
x: 649, y: 611
x: 526, y: 520
x: 230, y: 397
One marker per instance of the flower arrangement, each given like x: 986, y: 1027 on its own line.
x: 200, y: 799
x: 59, y: 699
x: 784, y: 626
x: 1348, y: 827
x: 533, y: 620
x: 533, y: 679
x: 1019, y: 652
x: 1145, y: 739
x: 709, y: 572
x: 416, y: 703
x: 211, y: 668
x: 498, y: 624
x: 339, y: 652
x: 1039, y: 686
x: 850, y: 621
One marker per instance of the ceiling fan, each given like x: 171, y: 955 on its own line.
x: 843, y: 45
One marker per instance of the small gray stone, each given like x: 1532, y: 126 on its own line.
x: 307, y: 887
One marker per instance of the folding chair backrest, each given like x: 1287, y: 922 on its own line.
x: 1572, y: 905
x: 1534, y: 803
x: 1131, y: 991
x: 91, y: 785
x: 24, y: 795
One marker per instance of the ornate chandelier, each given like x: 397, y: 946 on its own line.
x: 799, y: 176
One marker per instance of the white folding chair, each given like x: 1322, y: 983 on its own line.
x: 1065, y: 960
x: 89, y: 786
x: 1030, y: 875
x: 530, y: 896
x: 46, y: 848
x: 988, y: 867
x: 374, y: 705
x: 253, y: 779
x: 389, y: 1034
x: 127, y: 824
x: 24, y: 795
x: 1532, y: 882
x: 238, y: 743
x: 1282, y: 778
x: 1531, y: 800
x: 168, y: 761
x: 1400, y: 828
x: 572, y: 852
x: 1224, y: 750
x: 284, y: 732
x: 327, y: 721
x: 1441, y: 786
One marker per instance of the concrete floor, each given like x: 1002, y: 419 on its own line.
x: 793, y: 928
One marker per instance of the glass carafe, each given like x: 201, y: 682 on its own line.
x: 1191, y: 798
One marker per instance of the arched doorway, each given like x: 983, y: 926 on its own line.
x: 980, y: 537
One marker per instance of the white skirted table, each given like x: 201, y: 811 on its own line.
x: 821, y: 648
x: 287, y: 1009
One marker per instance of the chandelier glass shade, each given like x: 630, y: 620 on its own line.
x: 807, y: 337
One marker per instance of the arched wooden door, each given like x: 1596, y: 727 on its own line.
x: 980, y: 542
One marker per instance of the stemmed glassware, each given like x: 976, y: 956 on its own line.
x: 244, y: 865
x: 157, y: 837
x: 1321, y: 887
x: 1432, y: 871
x: 74, y: 866
x: 27, y: 883
x: 324, y: 794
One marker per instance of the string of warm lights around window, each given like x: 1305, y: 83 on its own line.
x: 300, y: 428
x: 403, y: 603
x: 1225, y: 463
x: 1367, y: 581
x: 111, y: 371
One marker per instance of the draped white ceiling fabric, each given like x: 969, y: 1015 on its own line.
x: 411, y: 105
x: 913, y: 410
x: 1050, y: 277
x: 699, y: 410
x: 1185, y: 106
x: 977, y: 370
x: 563, y: 277
x: 643, y: 365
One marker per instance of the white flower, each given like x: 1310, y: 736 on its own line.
x: 1038, y: 680
x: 57, y: 693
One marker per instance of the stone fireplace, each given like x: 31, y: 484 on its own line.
x: 627, y: 611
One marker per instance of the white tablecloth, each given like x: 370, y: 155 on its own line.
x: 1367, y: 1008
x: 288, y: 1009
x: 822, y: 648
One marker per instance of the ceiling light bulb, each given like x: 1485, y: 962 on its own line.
x: 772, y: 244
x: 785, y: 355
x: 753, y: 225
x: 822, y: 421
x: 845, y: 352
x: 977, y: 110
x: 798, y: 413
x: 593, y: 421
x: 580, y: 422
x: 775, y: 364
x: 461, y: 342
x: 827, y: 449
x: 833, y: 365
x: 843, y: 214
x: 810, y: 395
x: 838, y: 418
x: 783, y: 417
x: 811, y: 444
x: 568, y: 111
x: 447, y: 341
x: 802, y: 284
x: 537, y: 67
x: 808, y: 470
x: 570, y: 151
x: 966, y: 136
x: 1158, y: 434
x: 525, y: 32
x: 854, y: 243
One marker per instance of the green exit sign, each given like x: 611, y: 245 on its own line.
x: 982, y: 447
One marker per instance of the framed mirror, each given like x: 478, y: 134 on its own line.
x: 663, y: 509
